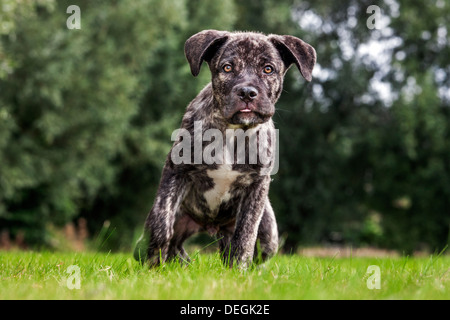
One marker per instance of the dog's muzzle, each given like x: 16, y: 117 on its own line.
x: 248, y: 107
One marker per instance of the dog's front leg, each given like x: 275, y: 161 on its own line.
x: 158, y: 230
x: 247, y: 223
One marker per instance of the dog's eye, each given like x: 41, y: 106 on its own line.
x: 268, y: 69
x: 227, y: 68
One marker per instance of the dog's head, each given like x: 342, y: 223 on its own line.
x: 248, y: 70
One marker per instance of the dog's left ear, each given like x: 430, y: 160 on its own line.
x: 295, y: 50
x: 202, y: 46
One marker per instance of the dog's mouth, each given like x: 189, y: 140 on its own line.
x: 239, y: 113
x: 248, y: 116
x: 245, y: 110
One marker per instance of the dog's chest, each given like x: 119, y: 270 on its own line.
x: 223, y: 179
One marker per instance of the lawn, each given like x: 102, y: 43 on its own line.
x: 46, y: 275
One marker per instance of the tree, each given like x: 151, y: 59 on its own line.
x: 86, y: 115
x: 68, y: 103
x: 363, y: 149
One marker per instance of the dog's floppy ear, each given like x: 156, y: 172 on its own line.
x: 295, y: 50
x: 202, y: 46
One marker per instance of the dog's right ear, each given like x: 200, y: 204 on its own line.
x: 202, y: 46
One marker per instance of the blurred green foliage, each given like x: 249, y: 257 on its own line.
x: 86, y: 116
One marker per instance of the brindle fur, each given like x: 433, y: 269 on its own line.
x: 230, y: 201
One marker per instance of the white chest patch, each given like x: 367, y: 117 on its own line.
x: 223, y: 178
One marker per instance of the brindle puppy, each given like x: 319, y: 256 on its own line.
x: 227, y: 198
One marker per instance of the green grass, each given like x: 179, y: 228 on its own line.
x: 42, y: 275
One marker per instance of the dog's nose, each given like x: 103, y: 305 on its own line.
x: 247, y: 94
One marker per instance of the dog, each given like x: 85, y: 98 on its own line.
x: 228, y: 199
